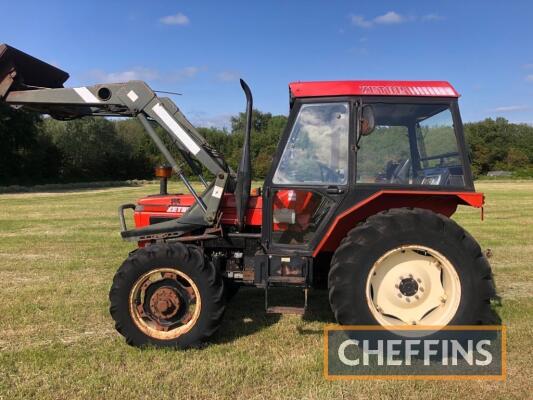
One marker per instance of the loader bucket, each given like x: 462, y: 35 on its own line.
x: 20, y: 71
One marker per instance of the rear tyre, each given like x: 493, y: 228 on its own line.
x: 167, y: 295
x: 410, y: 267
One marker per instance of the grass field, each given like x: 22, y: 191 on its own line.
x: 58, y: 254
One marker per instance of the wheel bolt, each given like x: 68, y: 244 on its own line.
x: 417, y: 297
x: 421, y: 289
x: 418, y: 280
x: 400, y: 295
x: 397, y: 286
x: 407, y: 299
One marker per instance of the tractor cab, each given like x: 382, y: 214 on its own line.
x: 404, y: 133
x: 351, y: 140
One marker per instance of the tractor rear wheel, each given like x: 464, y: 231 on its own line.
x: 410, y: 267
x: 167, y: 295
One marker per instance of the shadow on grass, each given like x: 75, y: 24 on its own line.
x: 245, y: 313
x: 318, y: 310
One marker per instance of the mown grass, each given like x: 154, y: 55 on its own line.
x: 58, y: 254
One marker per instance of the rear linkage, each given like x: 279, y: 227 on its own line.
x: 35, y: 85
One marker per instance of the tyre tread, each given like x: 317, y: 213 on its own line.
x: 352, y: 248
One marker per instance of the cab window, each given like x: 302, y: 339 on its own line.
x: 317, y: 149
x: 411, y: 144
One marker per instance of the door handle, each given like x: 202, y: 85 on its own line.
x: 334, y: 190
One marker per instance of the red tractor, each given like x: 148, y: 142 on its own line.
x: 360, y: 193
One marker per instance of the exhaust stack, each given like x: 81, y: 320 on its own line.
x: 244, y: 173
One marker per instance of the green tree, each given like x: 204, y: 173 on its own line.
x: 516, y: 158
x: 491, y: 142
x: 266, y: 132
x: 38, y: 150
x: 26, y: 156
x: 92, y: 150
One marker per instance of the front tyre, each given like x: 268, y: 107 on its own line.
x: 167, y: 295
x: 410, y: 267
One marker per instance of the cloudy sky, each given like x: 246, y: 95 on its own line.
x: 201, y: 48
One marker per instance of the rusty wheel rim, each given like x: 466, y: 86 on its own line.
x: 165, y: 303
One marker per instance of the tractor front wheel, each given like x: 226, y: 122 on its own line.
x: 167, y: 295
x: 410, y: 267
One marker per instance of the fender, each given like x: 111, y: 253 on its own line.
x: 444, y: 203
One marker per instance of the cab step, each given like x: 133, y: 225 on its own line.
x: 287, y: 280
x: 286, y: 310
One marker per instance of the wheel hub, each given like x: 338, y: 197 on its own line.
x: 165, y: 302
x: 408, y: 287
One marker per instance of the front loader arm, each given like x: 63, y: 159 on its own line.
x: 121, y: 99
x: 30, y: 83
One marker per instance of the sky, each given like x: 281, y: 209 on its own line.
x: 201, y: 48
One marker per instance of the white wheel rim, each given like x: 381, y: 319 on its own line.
x: 413, y: 285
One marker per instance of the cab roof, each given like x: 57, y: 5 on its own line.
x: 372, y: 88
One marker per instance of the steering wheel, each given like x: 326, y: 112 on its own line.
x: 401, y: 173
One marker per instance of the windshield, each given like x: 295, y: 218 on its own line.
x: 412, y: 144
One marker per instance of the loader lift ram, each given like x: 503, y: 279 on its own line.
x: 361, y: 188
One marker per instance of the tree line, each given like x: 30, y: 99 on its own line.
x: 37, y: 150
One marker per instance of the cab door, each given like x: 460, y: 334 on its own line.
x: 309, y: 176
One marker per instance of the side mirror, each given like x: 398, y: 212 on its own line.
x: 367, y: 121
